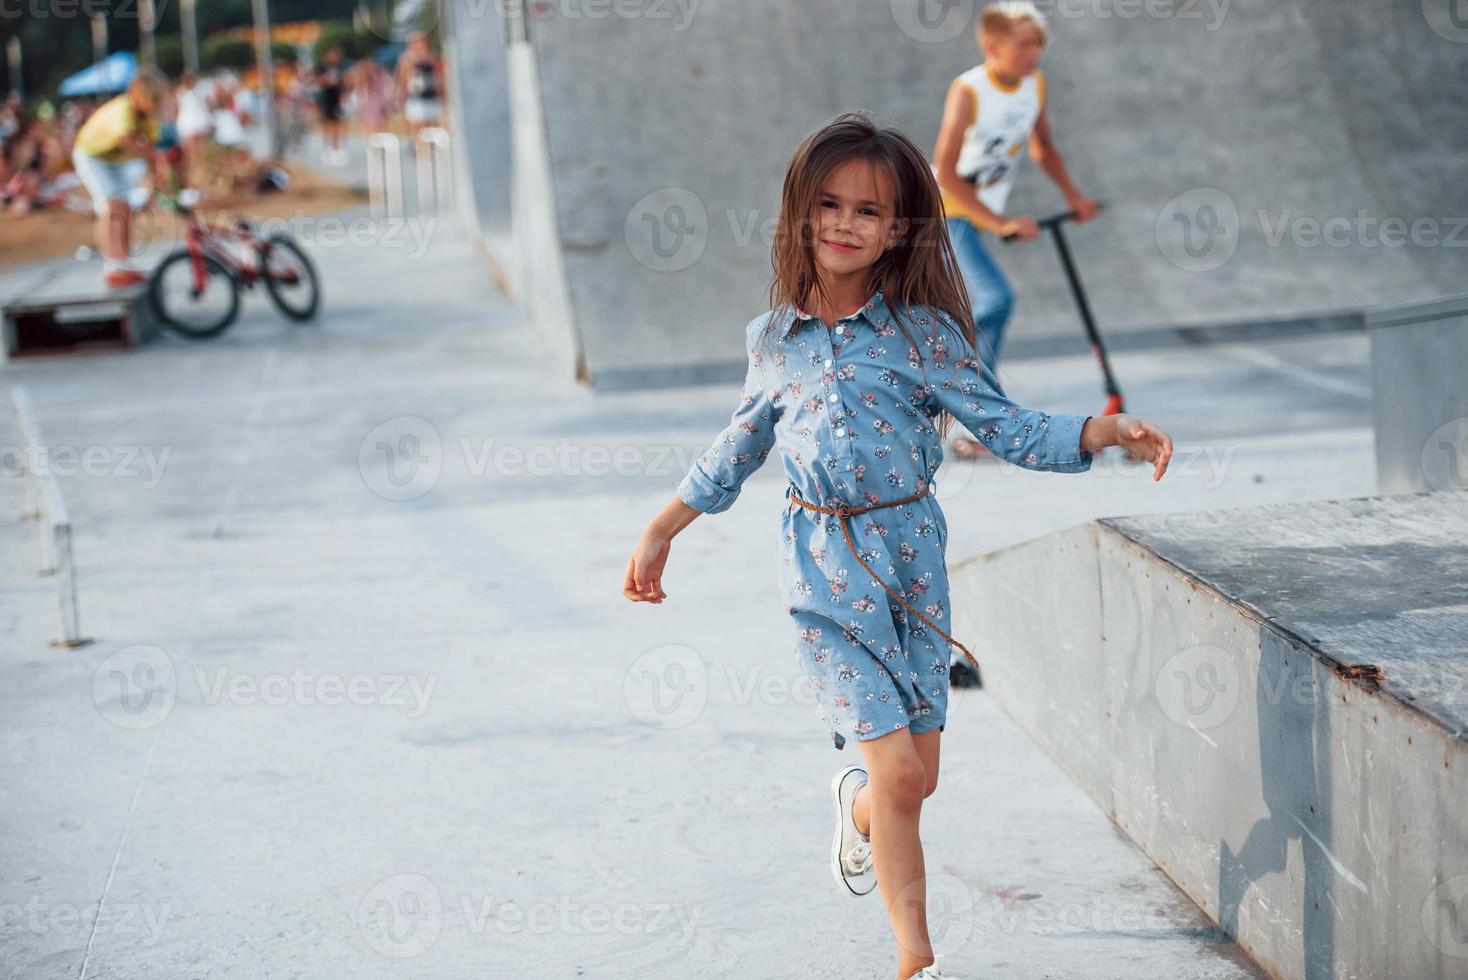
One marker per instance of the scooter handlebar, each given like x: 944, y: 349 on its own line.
x: 1054, y: 221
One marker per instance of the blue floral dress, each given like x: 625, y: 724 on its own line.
x: 853, y: 408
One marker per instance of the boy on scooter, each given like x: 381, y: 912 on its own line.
x: 992, y: 111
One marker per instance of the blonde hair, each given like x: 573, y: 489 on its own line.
x: 1001, y: 18
x: 152, y: 82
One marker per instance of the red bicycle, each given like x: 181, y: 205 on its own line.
x: 196, y: 289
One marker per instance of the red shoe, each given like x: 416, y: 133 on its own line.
x: 122, y: 278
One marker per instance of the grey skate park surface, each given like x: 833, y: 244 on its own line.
x: 363, y: 696
x: 1282, y: 163
x: 532, y: 808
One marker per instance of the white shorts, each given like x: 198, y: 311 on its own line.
x: 421, y: 110
x: 109, y: 181
x: 228, y: 130
x: 193, y: 124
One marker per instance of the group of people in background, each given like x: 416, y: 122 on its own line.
x: 103, y: 154
x: 196, y: 132
x: 38, y: 167
x: 35, y: 153
x: 336, y: 93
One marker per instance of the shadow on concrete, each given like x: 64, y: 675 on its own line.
x: 1295, y: 783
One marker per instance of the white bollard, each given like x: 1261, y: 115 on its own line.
x: 385, y: 175
x: 435, y: 170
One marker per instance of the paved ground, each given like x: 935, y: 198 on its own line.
x: 365, y: 699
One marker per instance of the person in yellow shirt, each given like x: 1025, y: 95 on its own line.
x: 112, y: 155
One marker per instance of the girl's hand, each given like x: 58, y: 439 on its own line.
x: 1143, y: 440
x: 644, y: 580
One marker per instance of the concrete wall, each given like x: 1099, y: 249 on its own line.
x: 1316, y: 816
x: 670, y: 125
x: 507, y: 193
x: 479, y: 107
x: 538, y: 259
x: 1419, y: 375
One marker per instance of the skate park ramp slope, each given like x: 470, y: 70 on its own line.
x: 1271, y: 701
x: 1258, y: 159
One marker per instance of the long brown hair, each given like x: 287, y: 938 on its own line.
x: 919, y: 269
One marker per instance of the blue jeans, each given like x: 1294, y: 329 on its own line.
x: 988, y: 290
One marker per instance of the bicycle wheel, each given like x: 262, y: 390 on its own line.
x: 194, y: 296
x: 290, y: 278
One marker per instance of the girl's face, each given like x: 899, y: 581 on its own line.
x: 1018, y: 55
x: 855, y: 220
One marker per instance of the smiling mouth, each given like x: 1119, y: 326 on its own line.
x: 840, y: 246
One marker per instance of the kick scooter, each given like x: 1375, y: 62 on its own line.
x: 1114, y: 402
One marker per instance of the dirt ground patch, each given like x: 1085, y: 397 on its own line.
x: 58, y: 232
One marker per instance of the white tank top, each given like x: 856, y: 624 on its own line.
x: 994, y: 142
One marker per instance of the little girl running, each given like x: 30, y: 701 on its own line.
x: 856, y: 373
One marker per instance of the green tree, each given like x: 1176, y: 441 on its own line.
x: 226, y: 52
x: 340, y: 34
x: 56, y: 40
x: 168, y: 51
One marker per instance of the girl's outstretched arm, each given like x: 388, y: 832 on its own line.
x: 715, y: 478
x: 644, y: 579
x: 1140, y: 438
x: 714, y: 481
x: 1034, y: 440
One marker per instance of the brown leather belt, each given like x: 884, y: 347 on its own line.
x: 843, y: 512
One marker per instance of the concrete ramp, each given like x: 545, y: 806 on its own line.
x: 64, y: 308
x: 1279, y: 161
x: 1272, y: 702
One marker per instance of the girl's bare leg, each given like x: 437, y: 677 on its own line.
x: 928, y: 745
x: 888, y: 808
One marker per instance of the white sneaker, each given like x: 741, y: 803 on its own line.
x: 931, y: 973
x: 851, y: 850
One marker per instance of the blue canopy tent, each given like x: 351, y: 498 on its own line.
x: 387, y: 55
x: 106, y: 77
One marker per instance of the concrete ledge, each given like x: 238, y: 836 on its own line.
x: 1199, y: 334
x: 668, y: 376
x: 1134, y: 339
x: 66, y: 309
x: 1270, y: 702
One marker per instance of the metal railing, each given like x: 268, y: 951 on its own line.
x: 44, y: 504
